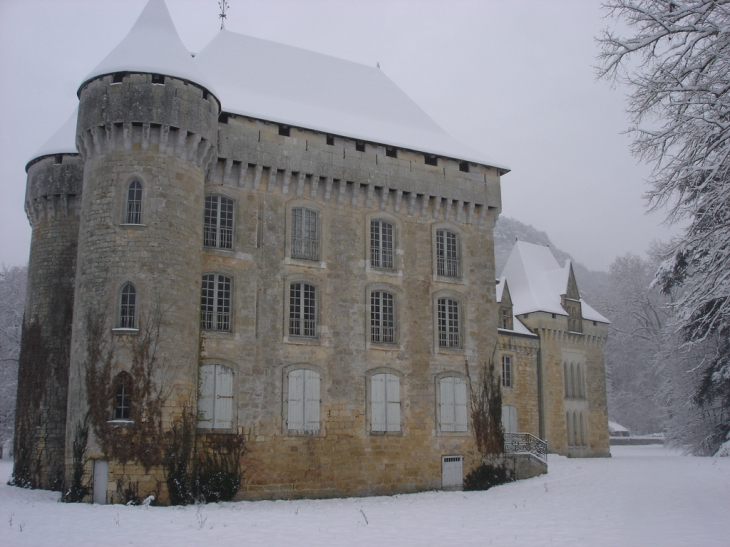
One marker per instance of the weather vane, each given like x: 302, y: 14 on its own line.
x: 224, y: 6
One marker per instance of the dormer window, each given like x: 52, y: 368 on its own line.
x: 284, y: 130
x: 505, y: 318
x: 464, y: 166
x: 575, y: 319
x: 158, y: 79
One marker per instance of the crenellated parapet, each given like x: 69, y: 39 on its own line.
x: 147, y: 113
x: 53, y: 188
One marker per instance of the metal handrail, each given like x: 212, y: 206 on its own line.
x: 525, y: 443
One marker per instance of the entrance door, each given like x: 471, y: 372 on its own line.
x: 101, y: 479
x: 509, y: 419
x: 452, y: 475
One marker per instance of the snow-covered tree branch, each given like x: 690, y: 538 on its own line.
x: 677, y: 64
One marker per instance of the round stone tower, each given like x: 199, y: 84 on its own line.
x: 147, y: 130
x: 52, y: 200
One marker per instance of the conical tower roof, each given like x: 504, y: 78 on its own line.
x: 63, y: 141
x: 152, y: 46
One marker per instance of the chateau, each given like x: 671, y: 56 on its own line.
x: 267, y: 248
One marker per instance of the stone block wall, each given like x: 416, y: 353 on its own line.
x: 523, y: 395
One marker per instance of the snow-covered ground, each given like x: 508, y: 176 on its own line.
x: 644, y: 495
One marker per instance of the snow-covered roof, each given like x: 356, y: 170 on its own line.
x: 63, y: 141
x: 517, y: 325
x: 614, y: 427
x: 152, y: 46
x: 293, y: 86
x: 537, y: 282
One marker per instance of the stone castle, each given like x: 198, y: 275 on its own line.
x: 265, y: 244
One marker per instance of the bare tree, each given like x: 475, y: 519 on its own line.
x: 677, y: 64
x: 12, y: 303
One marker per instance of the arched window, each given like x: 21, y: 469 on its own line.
x: 215, y: 397
x: 452, y: 404
x: 381, y: 244
x: 580, y: 392
x: 449, y: 323
x: 576, y: 439
x: 384, y: 402
x: 123, y: 399
x: 573, y: 392
x: 218, y: 223
x: 382, y: 317
x: 133, y: 214
x: 304, y: 234
x: 303, y: 401
x: 302, y: 310
x: 582, y: 431
x: 447, y: 253
x: 127, y: 307
x: 215, y: 302
x: 566, y: 379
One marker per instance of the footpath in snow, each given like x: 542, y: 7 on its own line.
x: 644, y: 495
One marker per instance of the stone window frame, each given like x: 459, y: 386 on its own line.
x: 461, y: 279
x: 397, y: 269
x: 124, y: 191
x: 511, y: 358
x: 321, y: 432
x: 234, y: 391
x: 122, y: 380
x: 437, y: 410
x: 368, y: 397
x: 398, y: 294
x: 322, y: 239
x: 463, y: 330
x: 318, y: 284
x: 220, y: 194
x: 118, y: 324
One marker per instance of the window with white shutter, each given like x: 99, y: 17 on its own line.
x: 384, y: 402
x: 215, y: 397
x: 509, y: 419
x: 452, y: 404
x: 303, y: 400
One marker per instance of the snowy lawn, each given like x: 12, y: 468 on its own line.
x: 644, y: 495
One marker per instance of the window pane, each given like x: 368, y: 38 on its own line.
x: 304, y: 237
x: 134, y: 203
x: 447, y: 254
x: 207, y: 302
x: 210, y: 224
x: 381, y: 244
x: 448, y: 323
x: 295, y: 309
x: 127, y: 307
x: 309, y: 311
x: 226, y: 224
x: 223, y: 309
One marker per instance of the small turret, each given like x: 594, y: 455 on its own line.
x: 53, y: 195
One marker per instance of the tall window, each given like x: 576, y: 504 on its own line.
x: 127, y: 307
x: 447, y: 253
x: 215, y: 397
x: 302, y: 310
x: 215, y: 302
x: 384, y: 402
x: 133, y: 213
x: 507, y: 370
x: 123, y: 397
x: 381, y: 244
x: 304, y: 234
x: 303, y: 401
x: 449, y: 327
x: 218, y: 223
x: 452, y: 404
x: 509, y: 419
x: 382, y: 317
x: 569, y: 428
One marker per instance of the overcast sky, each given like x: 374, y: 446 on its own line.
x: 511, y: 78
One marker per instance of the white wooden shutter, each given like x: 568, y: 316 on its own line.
x: 206, y: 391
x: 223, y: 411
x: 311, y: 400
x: 509, y: 419
x: 447, y: 403
x: 460, y: 416
x: 377, y: 402
x: 295, y: 404
x: 392, y: 412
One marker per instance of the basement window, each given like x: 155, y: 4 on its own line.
x: 360, y: 146
x: 391, y: 152
x: 464, y: 166
x: 284, y: 130
x: 158, y: 79
x: 330, y: 140
x: 118, y: 77
x: 431, y: 160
